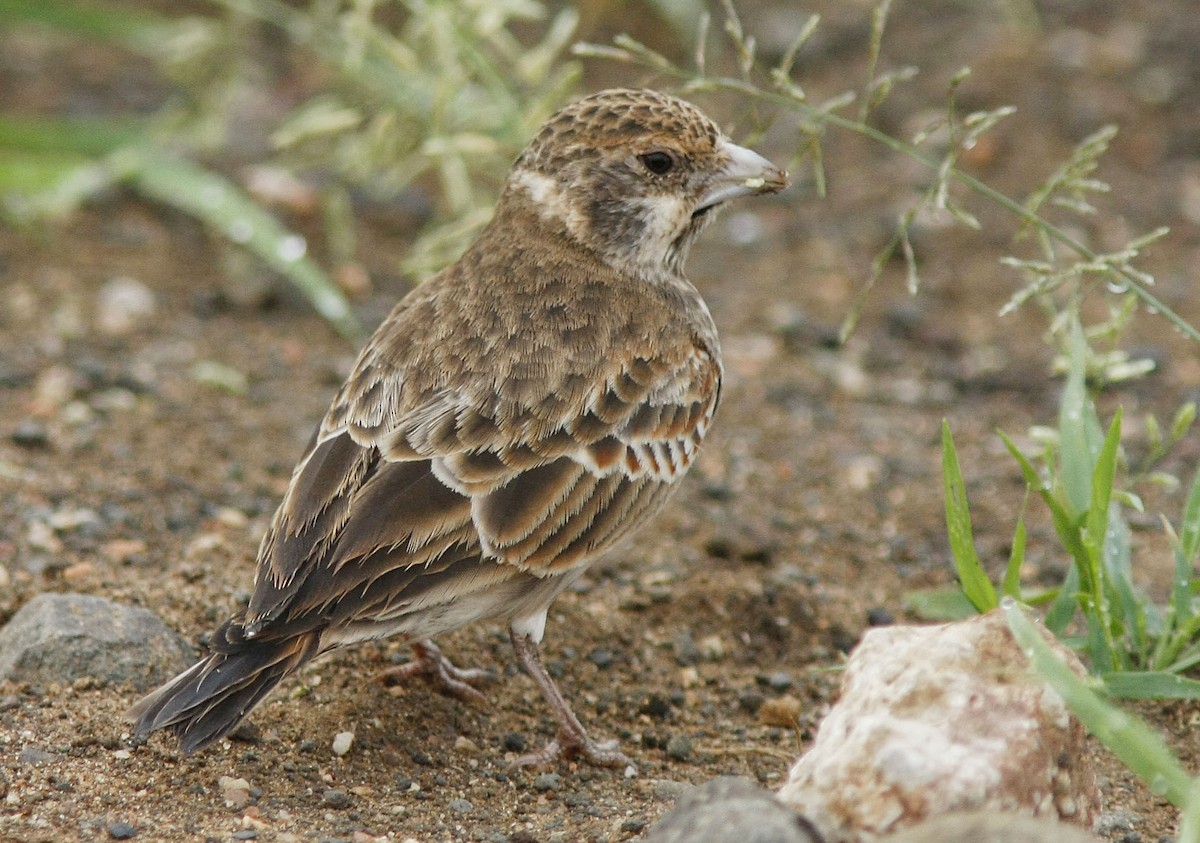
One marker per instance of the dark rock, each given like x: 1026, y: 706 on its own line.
x: 335, y: 798
x: 727, y: 809
x: 657, y: 706
x: 547, y: 781
x: 30, y: 434
x: 601, y: 658
x: 460, y: 806
x: 121, y: 831
x: 679, y: 748
x: 686, y: 651
x: 515, y: 742
x: 65, y: 637
x: 879, y: 616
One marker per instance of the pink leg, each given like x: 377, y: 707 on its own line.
x: 428, y: 662
x: 572, y: 738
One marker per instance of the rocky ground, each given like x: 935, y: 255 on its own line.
x: 149, y: 422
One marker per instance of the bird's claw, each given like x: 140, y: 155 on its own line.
x: 598, y: 754
x: 435, y: 668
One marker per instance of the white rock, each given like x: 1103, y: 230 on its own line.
x: 342, y: 742
x: 123, y: 306
x: 939, y: 719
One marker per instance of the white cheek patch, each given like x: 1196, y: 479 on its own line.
x: 549, y: 199
x: 664, y: 216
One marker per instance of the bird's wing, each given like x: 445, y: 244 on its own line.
x: 393, y: 511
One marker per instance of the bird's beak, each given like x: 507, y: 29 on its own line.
x: 746, y: 173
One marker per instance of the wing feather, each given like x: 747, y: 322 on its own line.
x: 393, y: 514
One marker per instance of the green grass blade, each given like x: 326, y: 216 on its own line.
x: 1011, y: 586
x: 941, y: 604
x: 972, y: 577
x: 77, y: 135
x: 1139, y: 747
x: 1075, y: 456
x: 219, y: 203
x: 133, y: 27
x: 1189, y: 530
x: 1150, y: 685
x: 1062, y: 610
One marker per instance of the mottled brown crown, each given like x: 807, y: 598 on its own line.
x: 617, y: 117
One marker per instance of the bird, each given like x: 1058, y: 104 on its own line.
x: 511, y: 419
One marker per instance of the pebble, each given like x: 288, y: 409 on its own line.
x: 465, y: 745
x: 515, y: 742
x: 342, y: 742
x: 547, y: 781
x: 601, y: 658
x: 461, y: 806
x: 685, y: 650
x: 63, y: 637
x: 728, y: 808
x: 30, y: 433
x: 679, y: 748
x: 780, y: 680
x: 335, y: 798
x: 657, y: 706
x: 245, y: 834
x: 879, y: 616
x: 235, y: 791
x: 121, y: 831
x: 712, y: 648
x: 751, y: 701
x: 122, y: 306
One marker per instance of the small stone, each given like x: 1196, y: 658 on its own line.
x: 515, y: 742
x: 122, y: 306
x: 465, y: 745
x: 34, y: 757
x: 63, y: 637
x: 686, y: 651
x: 461, y: 806
x: 656, y: 706
x: 30, y: 433
x: 601, y: 658
x: 547, y: 781
x: 121, y: 831
x: 712, y: 648
x: 422, y: 758
x: 335, y: 798
x: 728, y: 808
x: 780, y: 680
x: 235, y: 791
x: 679, y: 748
x: 879, y: 616
x: 751, y: 701
x: 634, y: 825
x: 245, y: 834
x: 342, y: 742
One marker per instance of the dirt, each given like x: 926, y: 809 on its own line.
x: 815, y: 510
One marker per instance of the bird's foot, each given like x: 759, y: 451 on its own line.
x: 569, y: 746
x: 429, y: 663
x: 573, y: 740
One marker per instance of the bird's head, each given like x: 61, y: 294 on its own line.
x: 635, y: 175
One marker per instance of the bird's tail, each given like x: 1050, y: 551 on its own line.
x: 206, y: 701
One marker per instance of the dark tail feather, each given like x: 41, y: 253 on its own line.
x: 206, y: 701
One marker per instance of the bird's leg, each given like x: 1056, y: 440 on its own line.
x: 572, y: 738
x: 428, y: 662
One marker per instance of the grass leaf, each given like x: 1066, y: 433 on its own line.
x: 974, y: 580
x: 1139, y: 747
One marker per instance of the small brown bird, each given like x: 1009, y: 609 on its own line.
x: 510, y: 420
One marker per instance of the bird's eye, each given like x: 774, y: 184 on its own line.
x: 658, y: 162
